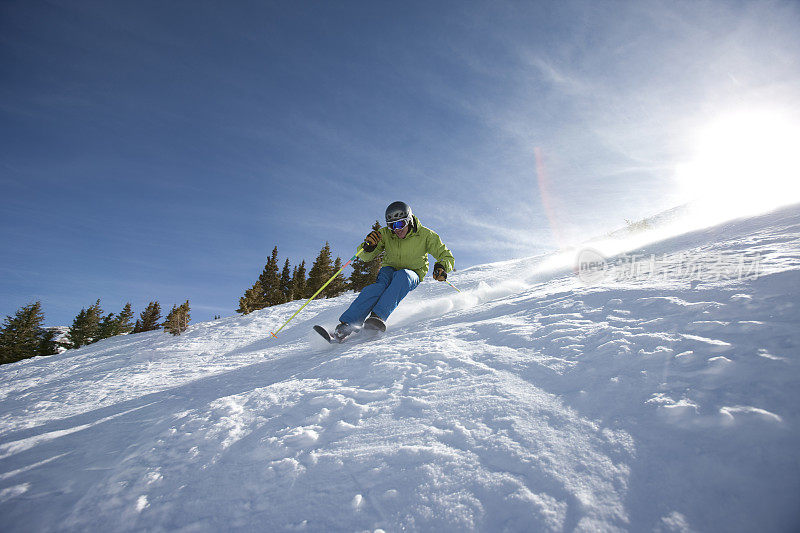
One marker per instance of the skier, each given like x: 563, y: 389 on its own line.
x: 406, y: 244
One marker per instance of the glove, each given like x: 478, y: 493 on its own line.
x: 439, y: 273
x: 371, y: 241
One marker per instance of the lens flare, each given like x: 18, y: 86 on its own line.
x: 548, y: 202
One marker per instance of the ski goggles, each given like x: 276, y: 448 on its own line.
x: 399, y: 224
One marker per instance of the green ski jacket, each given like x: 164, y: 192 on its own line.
x: 411, y: 252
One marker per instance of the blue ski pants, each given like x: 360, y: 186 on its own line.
x: 382, y: 297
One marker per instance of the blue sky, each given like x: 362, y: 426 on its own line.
x: 159, y: 150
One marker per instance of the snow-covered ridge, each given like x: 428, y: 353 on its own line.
x: 528, y: 402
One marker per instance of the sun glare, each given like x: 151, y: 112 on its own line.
x: 745, y: 163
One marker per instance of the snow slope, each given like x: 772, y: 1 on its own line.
x: 529, y: 402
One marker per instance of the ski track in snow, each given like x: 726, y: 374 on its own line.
x: 528, y: 402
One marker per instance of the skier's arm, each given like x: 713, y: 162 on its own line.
x: 438, y: 250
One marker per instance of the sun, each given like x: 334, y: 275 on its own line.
x: 745, y: 162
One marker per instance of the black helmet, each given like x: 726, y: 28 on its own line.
x: 397, y: 211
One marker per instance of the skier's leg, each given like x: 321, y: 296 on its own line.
x: 366, y: 299
x: 403, y: 282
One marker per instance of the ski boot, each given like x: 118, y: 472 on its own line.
x: 375, y: 322
x: 342, y: 331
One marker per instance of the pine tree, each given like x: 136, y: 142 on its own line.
x: 365, y: 273
x: 152, y: 316
x: 47, y: 342
x: 172, y: 323
x: 299, y: 281
x: 124, y: 320
x: 253, y: 299
x: 320, y: 271
x: 78, y: 334
x: 22, y: 335
x: 178, y: 319
x: 285, y: 284
x: 94, y: 315
x: 185, y: 314
x: 339, y: 283
x: 112, y: 325
x: 109, y: 326
x: 149, y: 319
x: 85, y: 327
x: 270, y: 282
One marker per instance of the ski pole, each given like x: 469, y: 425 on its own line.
x: 456, y: 288
x: 358, y: 252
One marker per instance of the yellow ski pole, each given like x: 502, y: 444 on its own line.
x: 456, y: 288
x: 274, y: 334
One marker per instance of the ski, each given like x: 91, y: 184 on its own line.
x: 326, y: 335
x: 370, y: 326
